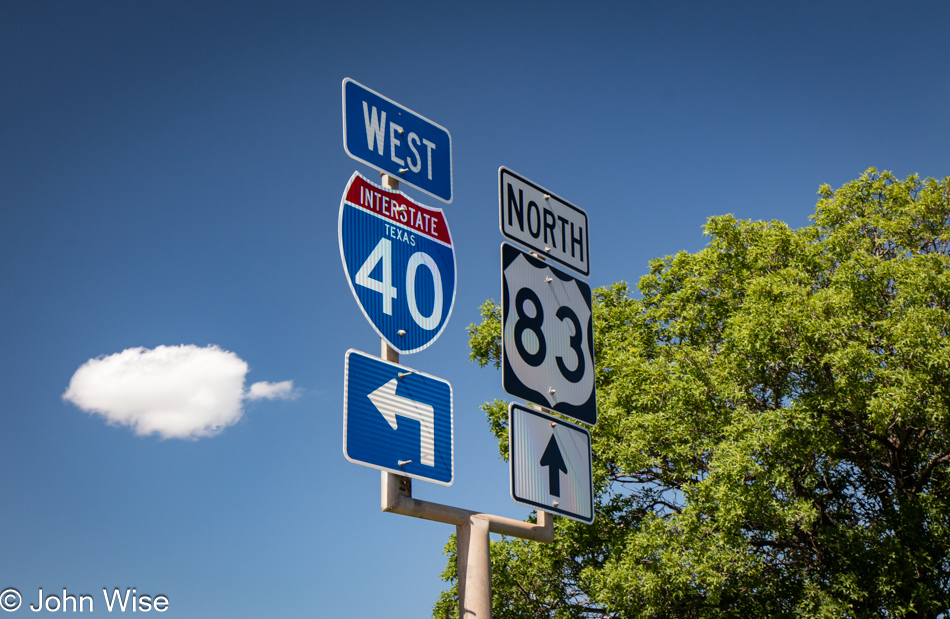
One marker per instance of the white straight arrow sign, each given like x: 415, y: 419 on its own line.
x: 391, y: 405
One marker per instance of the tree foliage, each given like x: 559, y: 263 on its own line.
x: 773, y: 425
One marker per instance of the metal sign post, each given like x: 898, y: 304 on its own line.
x: 472, y: 528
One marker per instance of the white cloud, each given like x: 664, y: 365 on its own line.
x: 272, y: 391
x: 173, y: 391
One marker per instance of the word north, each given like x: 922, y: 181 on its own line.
x: 120, y: 601
x: 536, y: 218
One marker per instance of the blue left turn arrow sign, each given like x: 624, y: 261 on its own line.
x: 397, y: 419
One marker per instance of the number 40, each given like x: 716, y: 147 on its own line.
x: 383, y: 251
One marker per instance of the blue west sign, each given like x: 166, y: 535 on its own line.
x: 395, y: 140
x: 399, y: 261
x: 397, y: 419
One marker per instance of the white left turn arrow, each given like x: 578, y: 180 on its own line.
x: 391, y: 405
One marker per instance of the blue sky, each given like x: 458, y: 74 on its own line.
x: 171, y: 174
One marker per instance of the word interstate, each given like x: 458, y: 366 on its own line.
x: 399, y: 210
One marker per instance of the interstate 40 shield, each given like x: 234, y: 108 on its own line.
x: 400, y: 262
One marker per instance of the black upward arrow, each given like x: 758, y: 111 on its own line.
x: 553, y: 459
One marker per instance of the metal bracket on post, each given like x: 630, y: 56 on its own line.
x: 397, y: 499
x: 472, y: 529
x: 389, y: 182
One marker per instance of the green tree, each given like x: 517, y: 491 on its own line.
x: 773, y: 426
